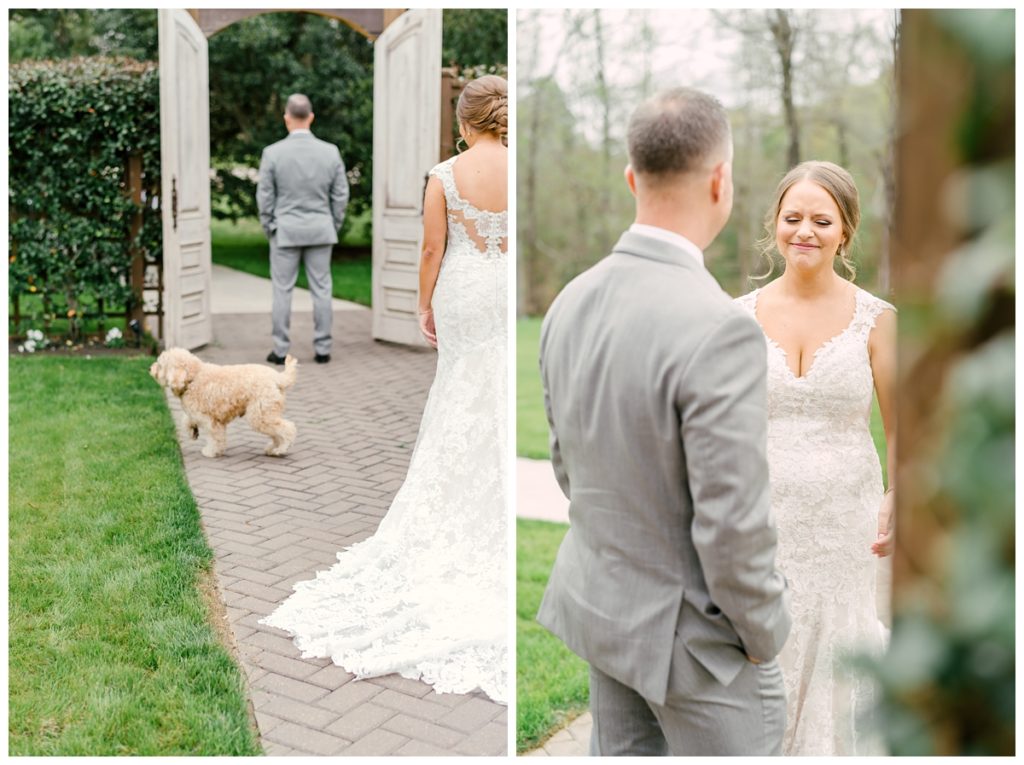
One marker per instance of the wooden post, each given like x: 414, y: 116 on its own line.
x: 451, y: 88
x: 138, y: 268
x: 390, y: 14
x: 17, y: 295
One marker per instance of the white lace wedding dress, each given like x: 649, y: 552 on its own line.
x: 426, y: 595
x: 826, y: 487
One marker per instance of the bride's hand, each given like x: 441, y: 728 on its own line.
x: 427, y: 326
x: 883, y: 545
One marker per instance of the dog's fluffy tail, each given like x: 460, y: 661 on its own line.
x: 286, y: 379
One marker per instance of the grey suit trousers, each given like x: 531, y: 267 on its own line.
x: 748, y: 717
x: 284, y: 270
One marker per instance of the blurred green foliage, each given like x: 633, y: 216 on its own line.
x: 68, y: 33
x: 475, y: 38
x: 948, y: 681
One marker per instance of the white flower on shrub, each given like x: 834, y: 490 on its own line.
x: 35, y: 339
x: 114, y: 338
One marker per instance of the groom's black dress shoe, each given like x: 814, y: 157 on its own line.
x: 273, y: 358
x: 322, y: 358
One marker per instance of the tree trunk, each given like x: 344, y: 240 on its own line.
x: 604, y: 96
x: 785, y: 37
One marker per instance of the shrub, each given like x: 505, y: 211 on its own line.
x: 73, y: 126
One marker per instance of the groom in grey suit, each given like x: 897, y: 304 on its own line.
x: 301, y: 195
x: 655, y: 393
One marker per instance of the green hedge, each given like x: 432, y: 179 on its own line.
x: 73, y: 125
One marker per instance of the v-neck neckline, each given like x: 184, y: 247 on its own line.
x: 826, y: 344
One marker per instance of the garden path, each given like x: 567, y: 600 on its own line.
x: 272, y: 522
x: 538, y: 495
x: 571, y: 741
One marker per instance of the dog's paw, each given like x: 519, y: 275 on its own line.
x: 276, y: 451
x: 210, y: 452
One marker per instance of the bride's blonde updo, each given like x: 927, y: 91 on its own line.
x: 483, y: 105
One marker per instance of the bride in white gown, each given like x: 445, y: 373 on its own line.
x: 426, y: 595
x: 830, y: 345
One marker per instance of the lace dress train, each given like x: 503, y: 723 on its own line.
x: 826, y: 486
x: 426, y: 595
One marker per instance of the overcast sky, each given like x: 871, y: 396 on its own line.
x: 688, y: 49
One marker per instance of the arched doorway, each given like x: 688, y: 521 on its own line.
x: 406, y: 137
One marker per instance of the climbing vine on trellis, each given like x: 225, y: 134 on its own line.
x: 74, y: 124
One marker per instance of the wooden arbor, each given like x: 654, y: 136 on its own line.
x: 407, y: 64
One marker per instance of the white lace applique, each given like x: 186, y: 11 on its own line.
x: 489, y: 229
x: 426, y: 595
x: 826, y: 486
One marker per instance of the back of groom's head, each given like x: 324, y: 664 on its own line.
x: 677, y: 132
x: 298, y: 106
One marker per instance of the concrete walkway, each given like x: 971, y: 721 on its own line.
x: 237, y: 292
x: 538, y: 495
x: 571, y: 741
x: 272, y: 522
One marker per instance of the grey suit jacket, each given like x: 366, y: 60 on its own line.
x: 655, y: 388
x: 302, y: 191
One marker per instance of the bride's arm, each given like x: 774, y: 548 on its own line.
x: 882, y: 350
x: 435, y: 233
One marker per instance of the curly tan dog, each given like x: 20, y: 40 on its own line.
x: 213, y: 395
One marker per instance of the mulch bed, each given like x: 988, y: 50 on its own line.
x: 88, y: 347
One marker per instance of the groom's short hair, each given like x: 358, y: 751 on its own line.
x: 677, y: 131
x: 298, y: 106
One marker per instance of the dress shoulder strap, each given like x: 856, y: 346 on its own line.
x: 869, y: 308
x: 748, y: 302
x: 444, y: 173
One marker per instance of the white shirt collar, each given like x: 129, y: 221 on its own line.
x: 671, y: 237
x: 300, y: 130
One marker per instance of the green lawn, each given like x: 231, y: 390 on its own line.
x: 110, y: 647
x: 243, y: 246
x: 532, y: 424
x: 551, y: 681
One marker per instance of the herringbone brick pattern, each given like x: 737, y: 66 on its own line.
x: 275, y: 521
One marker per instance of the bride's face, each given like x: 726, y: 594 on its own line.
x: 809, y: 228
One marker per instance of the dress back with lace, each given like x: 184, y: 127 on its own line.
x: 826, y: 488
x: 426, y: 595
x: 470, y: 228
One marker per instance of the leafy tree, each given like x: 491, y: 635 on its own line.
x: 473, y: 38
x: 68, y: 33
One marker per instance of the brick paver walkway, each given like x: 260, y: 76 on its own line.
x: 275, y: 521
x: 571, y: 741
